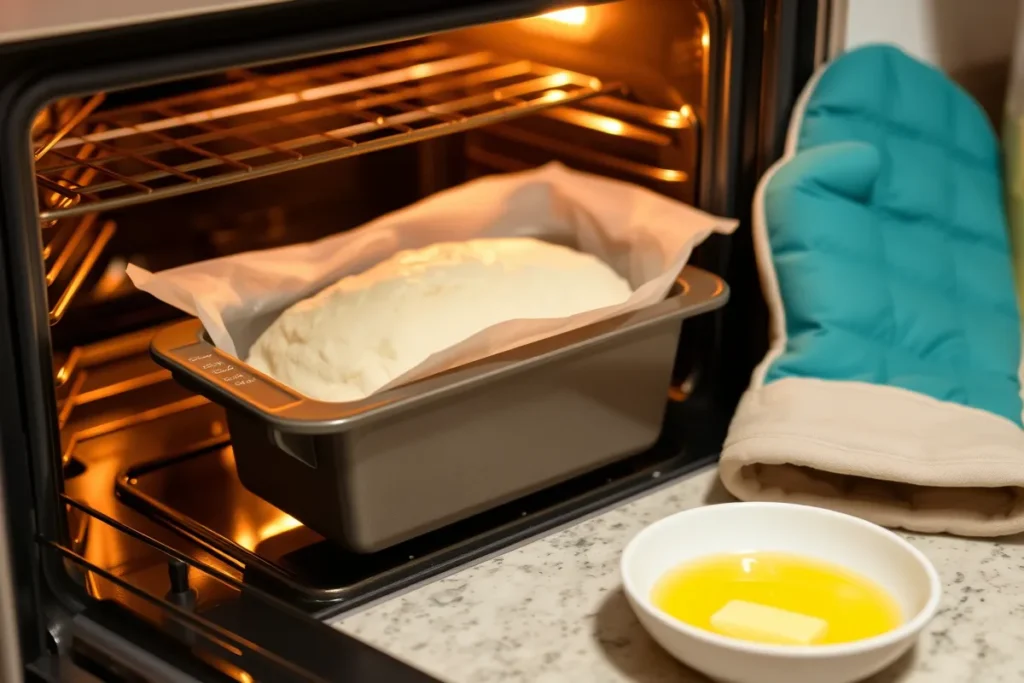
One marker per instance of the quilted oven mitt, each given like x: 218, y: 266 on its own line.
x: 891, y: 389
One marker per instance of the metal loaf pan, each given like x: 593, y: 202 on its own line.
x: 372, y: 473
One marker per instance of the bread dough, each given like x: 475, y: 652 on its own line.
x: 358, y: 334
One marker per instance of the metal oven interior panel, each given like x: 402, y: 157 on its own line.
x: 222, y: 151
x: 276, y: 154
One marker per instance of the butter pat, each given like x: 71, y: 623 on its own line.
x: 763, y: 624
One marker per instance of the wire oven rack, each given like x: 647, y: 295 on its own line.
x: 261, y: 124
x: 58, y: 119
x: 71, y: 250
x: 613, y: 136
x: 71, y: 246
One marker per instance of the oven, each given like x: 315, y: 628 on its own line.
x: 132, y: 549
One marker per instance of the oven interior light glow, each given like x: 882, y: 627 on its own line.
x: 572, y: 16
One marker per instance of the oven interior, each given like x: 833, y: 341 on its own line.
x: 262, y: 156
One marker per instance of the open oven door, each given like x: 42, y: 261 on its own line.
x: 139, y: 637
x: 142, y: 638
x: 252, y: 637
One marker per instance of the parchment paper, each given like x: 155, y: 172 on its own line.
x: 646, y: 237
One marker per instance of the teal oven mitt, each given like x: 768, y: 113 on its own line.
x: 892, y: 388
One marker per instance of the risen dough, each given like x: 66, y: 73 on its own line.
x: 357, y: 335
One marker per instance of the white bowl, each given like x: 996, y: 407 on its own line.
x: 858, y: 545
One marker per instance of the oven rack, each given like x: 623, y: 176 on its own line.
x: 569, y: 150
x: 80, y: 358
x: 72, y: 246
x: 116, y: 380
x: 655, y: 146
x: 57, y: 119
x: 71, y: 250
x: 260, y: 124
x: 210, y: 631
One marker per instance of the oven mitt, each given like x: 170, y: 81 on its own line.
x: 891, y: 389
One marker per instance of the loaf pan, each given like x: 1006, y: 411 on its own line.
x: 372, y: 473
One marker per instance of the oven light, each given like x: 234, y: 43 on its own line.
x: 705, y: 40
x: 572, y: 16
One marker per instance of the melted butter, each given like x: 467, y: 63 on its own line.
x: 853, y: 606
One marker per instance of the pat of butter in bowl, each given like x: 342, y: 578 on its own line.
x: 776, y: 598
x: 763, y: 624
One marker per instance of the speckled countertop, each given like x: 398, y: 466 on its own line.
x: 553, y: 610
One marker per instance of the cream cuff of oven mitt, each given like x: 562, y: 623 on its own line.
x: 889, y: 455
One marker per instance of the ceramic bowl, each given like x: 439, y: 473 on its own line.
x: 868, y: 549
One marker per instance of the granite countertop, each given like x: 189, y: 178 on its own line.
x: 553, y: 610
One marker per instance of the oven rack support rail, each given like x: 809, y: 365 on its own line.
x: 222, y: 647
x: 261, y: 125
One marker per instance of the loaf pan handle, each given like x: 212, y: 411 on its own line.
x: 201, y: 366
x: 701, y: 289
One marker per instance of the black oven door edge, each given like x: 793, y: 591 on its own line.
x: 57, y: 626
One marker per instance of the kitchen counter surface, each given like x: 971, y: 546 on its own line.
x: 553, y: 610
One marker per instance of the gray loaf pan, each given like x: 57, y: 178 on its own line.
x: 372, y: 473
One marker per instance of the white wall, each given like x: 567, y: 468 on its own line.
x: 972, y: 40
x: 949, y: 33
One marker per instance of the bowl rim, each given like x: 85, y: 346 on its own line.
x: 905, y: 630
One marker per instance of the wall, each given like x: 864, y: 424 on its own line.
x: 971, y: 40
